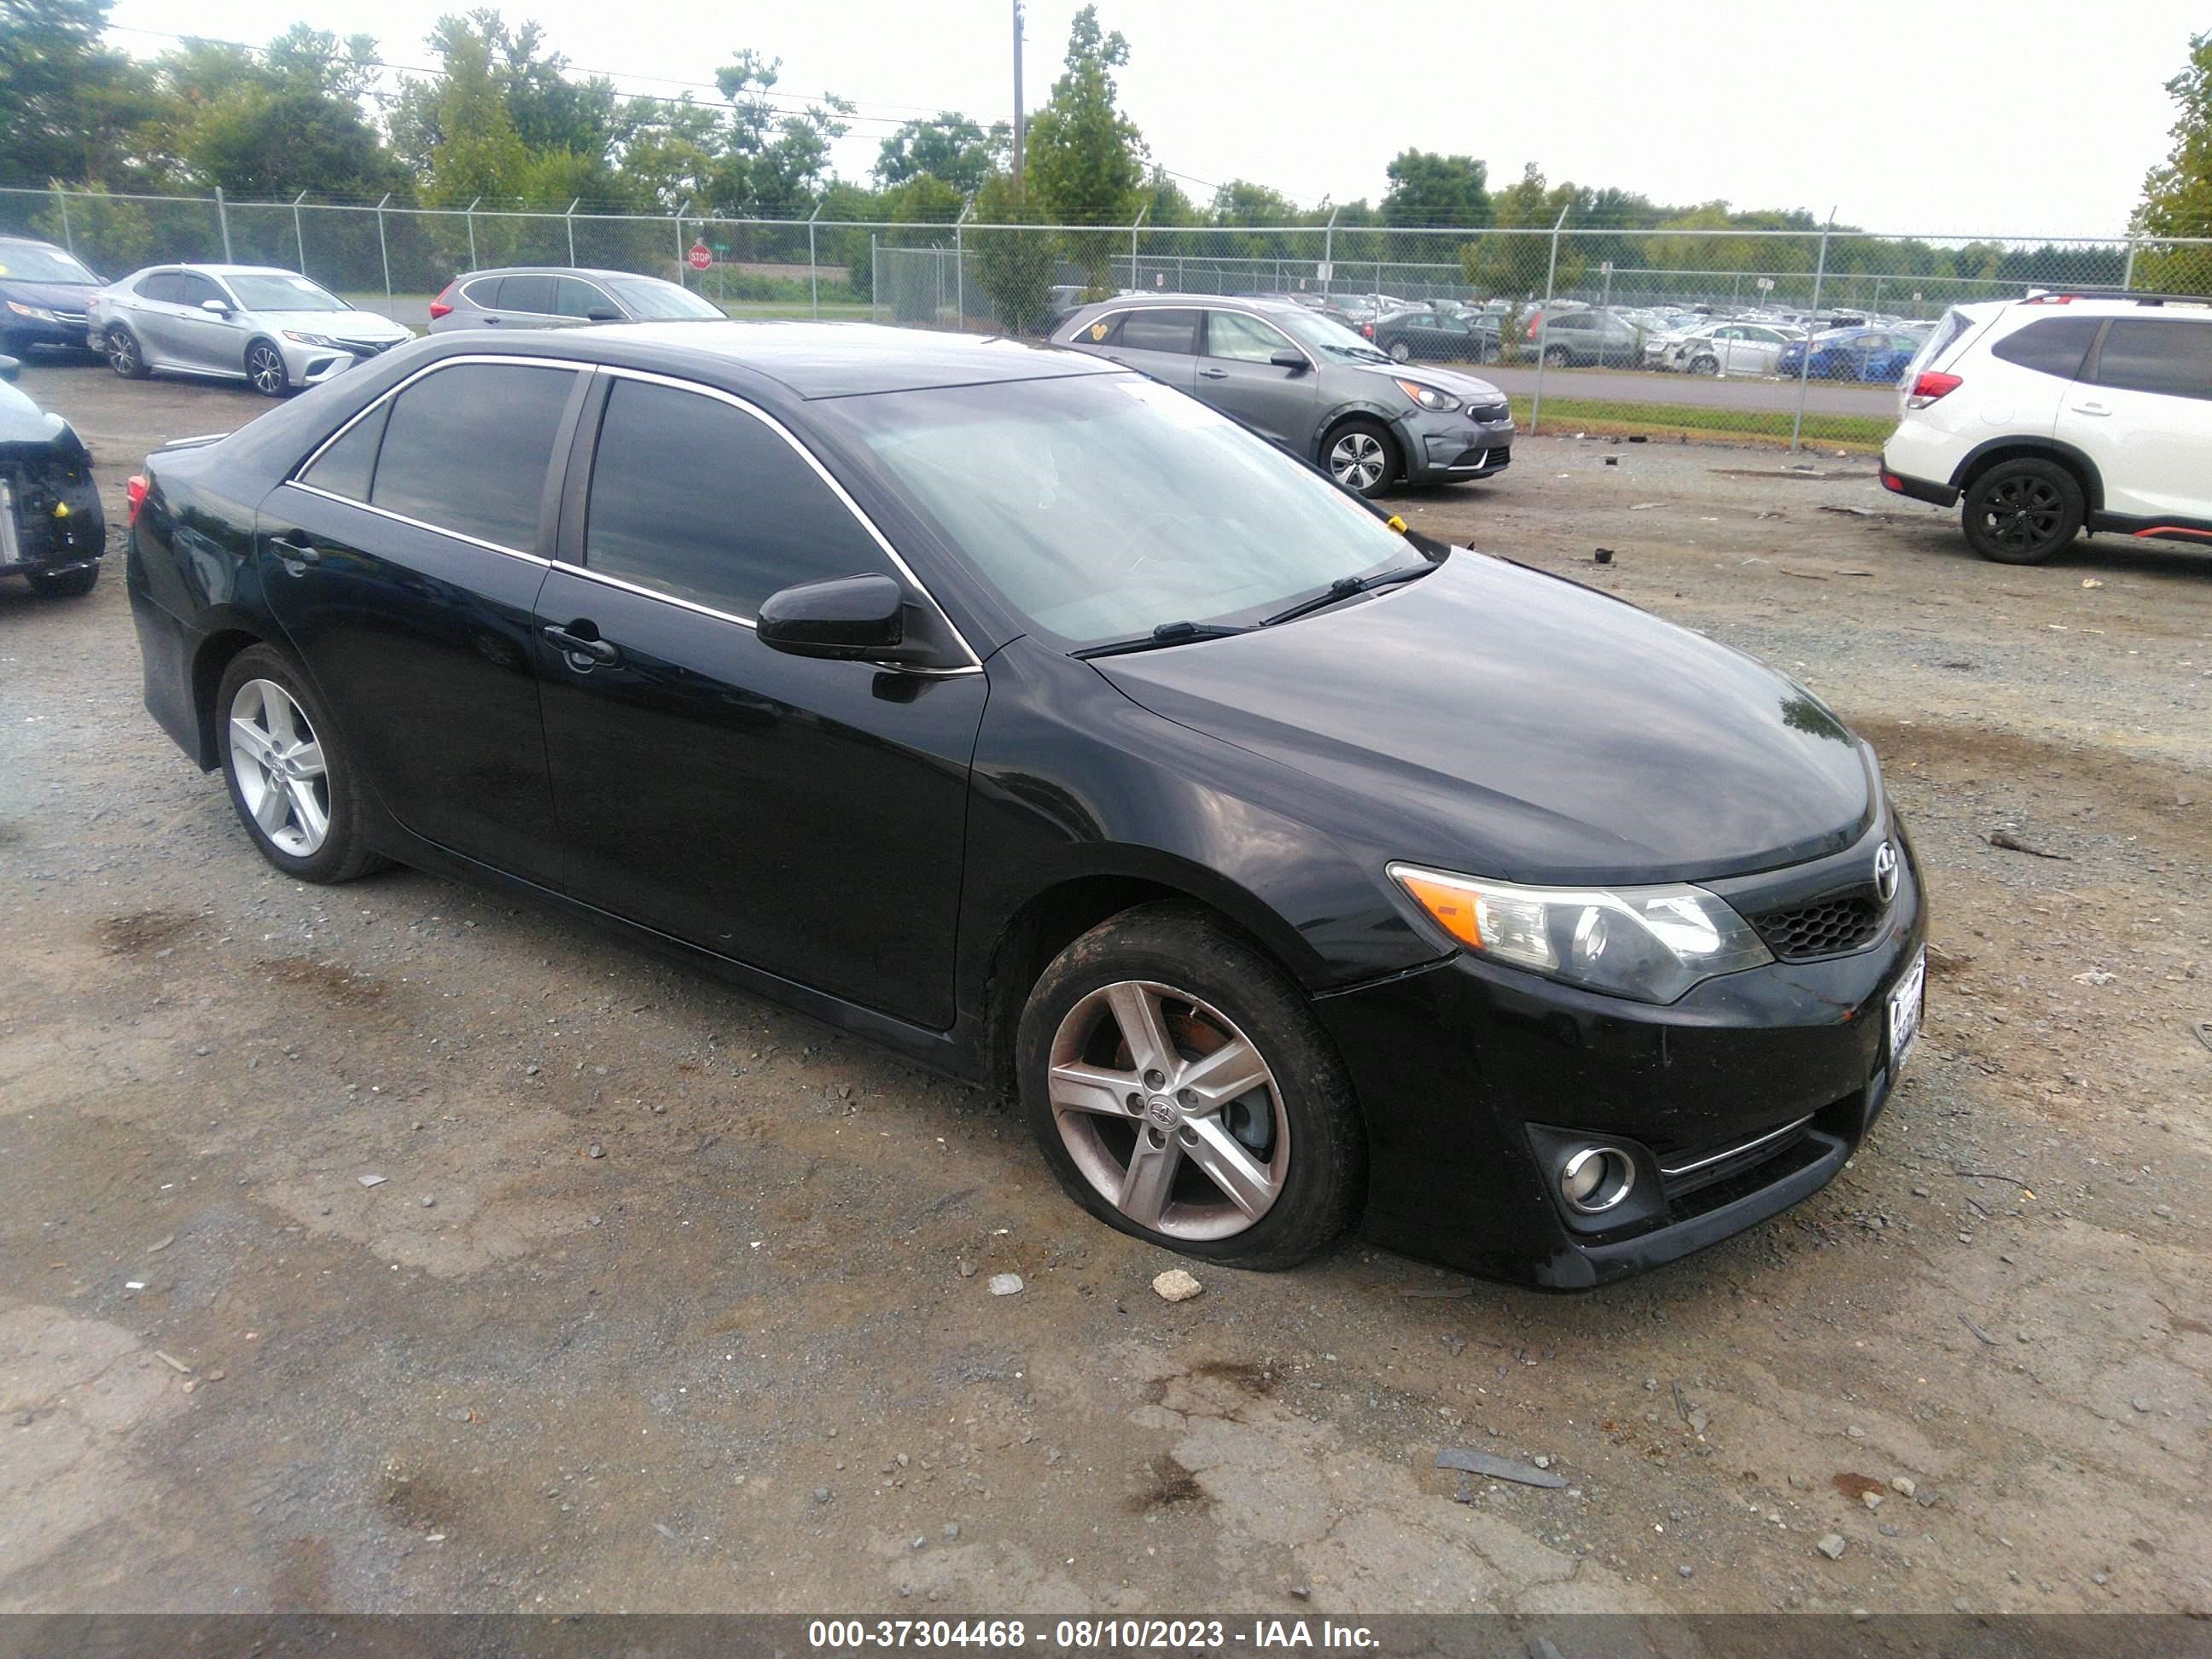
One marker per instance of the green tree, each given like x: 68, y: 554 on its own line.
x: 950, y: 147
x: 2178, y: 193
x: 1085, y: 160
x: 1428, y: 189
x: 1511, y: 261
x: 1015, y: 267
x: 282, y: 120
x: 71, y: 107
x: 774, y: 163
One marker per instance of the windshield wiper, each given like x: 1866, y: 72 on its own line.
x: 1173, y: 632
x: 1345, y: 587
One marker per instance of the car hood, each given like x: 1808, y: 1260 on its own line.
x: 23, y: 422
x: 66, y: 296
x: 338, y: 325
x: 1471, y: 387
x: 1498, y: 721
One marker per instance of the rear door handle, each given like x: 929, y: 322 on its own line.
x: 1213, y: 373
x: 2091, y: 408
x: 297, y: 549
x: 577, y: 645
x: 491, y: 322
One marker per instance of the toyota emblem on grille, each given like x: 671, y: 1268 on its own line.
x: 1885, y: 873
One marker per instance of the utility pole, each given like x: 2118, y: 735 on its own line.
x: 1018, y: 118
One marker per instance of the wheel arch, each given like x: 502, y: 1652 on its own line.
x: 1363, y: 410
x: 245, y: 357
x: 1989, y: 453
x: 1056, y: 916
x: 213, y: 656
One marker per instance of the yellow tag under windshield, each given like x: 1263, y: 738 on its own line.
x: 1396, y: 524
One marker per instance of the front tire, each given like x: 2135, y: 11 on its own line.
x: 1710, y: 366
x: 1401, y: 352
x: 290, y: 777
x: 1558, y: 356
x: 266, y: 371
x: 65, y: 584
x: 1244, y: 1146
x: 1361, y: 455
x: 2023, y: 512
x: 125, y: 355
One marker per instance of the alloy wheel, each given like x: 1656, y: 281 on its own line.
x: 264, y: 367
x: 1400, y: 351
x: 1169, y: 1110
x: 2024, y: 514
x: 278, y: 762
x: 123, y: 354
x: 1357, y: 459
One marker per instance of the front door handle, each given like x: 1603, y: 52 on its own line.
x: 297, y: 549
x: 491, y: 322
x: 2091, y: 408
x: 1213, y: 373
x: 590, y: 647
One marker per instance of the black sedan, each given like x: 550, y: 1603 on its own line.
x: 1042, y: 723
x: 43, y: 290
x: 1436, y: 336
x: 52, y: 533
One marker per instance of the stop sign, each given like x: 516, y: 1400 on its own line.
x: 701, y: 257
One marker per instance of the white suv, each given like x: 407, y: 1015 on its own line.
x: 2088, y: 409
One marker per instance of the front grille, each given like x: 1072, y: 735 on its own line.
x: 69, y: 317
x: 1831, y: 928
x: 368, y: 348
x: 1489, y: 412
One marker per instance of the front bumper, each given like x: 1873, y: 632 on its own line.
x: 65, y: 330
x: 1734, y: 1103
x: 311, y: 365
x: 1453, y: 449
x: 49, y: 514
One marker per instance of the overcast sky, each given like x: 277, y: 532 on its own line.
x: 2019, y: 119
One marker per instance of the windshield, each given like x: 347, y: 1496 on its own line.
x: 281, y: 293
x: 1329, y: 337
x: 1102, y: 507
x: 26, y: 261
x: 658, y: 301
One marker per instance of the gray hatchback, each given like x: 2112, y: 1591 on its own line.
x: 1307, y: 382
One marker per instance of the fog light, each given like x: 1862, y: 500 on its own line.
x: 1596, y: 1178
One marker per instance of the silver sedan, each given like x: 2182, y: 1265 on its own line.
x: 274, y: 329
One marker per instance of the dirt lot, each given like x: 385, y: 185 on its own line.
x: 746, y: 1358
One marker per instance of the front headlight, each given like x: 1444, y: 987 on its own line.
x: 1651, y: 944
x: 38, y: 313
x: 309, y: 339
x: 1429, y: 397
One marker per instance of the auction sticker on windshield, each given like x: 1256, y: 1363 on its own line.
x: 1905, y: 1003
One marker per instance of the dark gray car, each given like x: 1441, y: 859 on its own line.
x: 562, y: 296
x: 1308, y: 382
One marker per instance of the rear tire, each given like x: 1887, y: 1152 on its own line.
x: 125, y: 355
x: 1707, y: 366
x: 1558, y: 356
x: 2023, y: 512
x: 290, y: 774
x: 1361, y: 455
x: 1401, y: 352
x: 1288, y: 1142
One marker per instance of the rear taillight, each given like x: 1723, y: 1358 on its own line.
x: 1930, y: 386
x: 135, y: 493
x: 1367, y: 329
x: 443, y: 305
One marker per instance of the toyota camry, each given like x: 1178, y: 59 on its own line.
x: 1294, y: 871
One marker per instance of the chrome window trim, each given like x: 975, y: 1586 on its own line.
x: 975, y: 662
x: 492, y: 277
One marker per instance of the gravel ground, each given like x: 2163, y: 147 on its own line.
x: 668, y: 1299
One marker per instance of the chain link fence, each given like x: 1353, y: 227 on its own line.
x: 1560, y: 316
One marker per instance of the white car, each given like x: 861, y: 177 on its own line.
x: 2066, y: 410
x: 273, y: 328
x: 1730, y: 348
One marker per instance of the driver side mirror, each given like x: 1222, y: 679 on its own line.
x: 216, y: 308
x: 603, y: 314
x: 1294, y: 360
x: 853, y: 619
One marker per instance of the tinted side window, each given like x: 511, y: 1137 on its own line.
x: 572, y: 298
x: 466, y: 449
x: 1245, y: 340
x: 701, y: 500
x: 1106, y: 330
x: 484, y: 291
x: 165, y: 286
x: 528, y: 293
x: 195, y: 288
x: 2051, y: 345
x: 347, y: 465
x: 2172, y: 357
x: 1161, y: 331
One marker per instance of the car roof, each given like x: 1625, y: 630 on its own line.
x: 32, y: 241
x: 596, y: 271
x: 1220, y: 301
x: 811, y: 360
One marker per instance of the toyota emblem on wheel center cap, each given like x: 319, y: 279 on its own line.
x: 1162, y: 1111
x: 1885, y: 873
